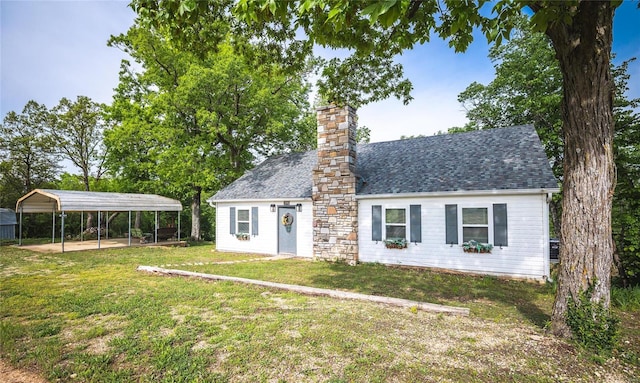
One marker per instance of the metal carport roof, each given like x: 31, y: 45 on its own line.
x: 47, y: 200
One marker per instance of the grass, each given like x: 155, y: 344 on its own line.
x: 627, y: 299
x: 90, y: 317
x: 488, y: 297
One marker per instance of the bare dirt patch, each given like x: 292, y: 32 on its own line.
x: 11, y: 374
x: 94, y: 332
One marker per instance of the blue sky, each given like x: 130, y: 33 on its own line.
x: 55, y: 49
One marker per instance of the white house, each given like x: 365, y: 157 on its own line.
x: 408, y: 202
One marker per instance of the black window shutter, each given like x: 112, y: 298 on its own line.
x: 451, y: 218
x: 254, y: 221
x: 376, y: 224
x: 500, y: 224
x: 415, y: 221
x: 232, y: 220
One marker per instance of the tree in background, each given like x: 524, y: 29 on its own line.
x: 528, y: 89
x: 195, y: 121
x: 77, y: 129
x: 626, y: 200
x: 27, y: 152
x: 376, y: 31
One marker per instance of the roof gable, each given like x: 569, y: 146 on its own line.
x: 496, y: 159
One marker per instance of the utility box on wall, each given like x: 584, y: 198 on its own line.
x: 554, y: 250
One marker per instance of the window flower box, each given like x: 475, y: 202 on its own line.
x: 476, y: 247
x: 243, y: 236
x: 398, y: 243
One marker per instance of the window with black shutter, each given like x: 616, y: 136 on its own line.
x: 415, y: 223
x: 500, y: 232
x: 451, y: 219
x: 376, y: 224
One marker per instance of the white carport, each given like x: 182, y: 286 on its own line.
x: 62, y: 201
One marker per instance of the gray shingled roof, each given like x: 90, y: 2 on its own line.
x: 495, y: 159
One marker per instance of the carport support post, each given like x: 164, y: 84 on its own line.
x: 98, y: 229
x: 129, y: 228
x: 53, y: 227
x: 178, y: 226
x: 156, y: 241
x: 107, y: 226
x: 81, y: 226
x: 20, y: 234
x: 62, y: 230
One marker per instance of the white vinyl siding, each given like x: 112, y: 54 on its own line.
x: 527, y: 231
x: 267, y: 241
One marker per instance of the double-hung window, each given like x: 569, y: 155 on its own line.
x: 243, y: 221
x: 475, y: 224
x: 396, y: 223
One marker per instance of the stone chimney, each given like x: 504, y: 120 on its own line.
x: 335, y: 209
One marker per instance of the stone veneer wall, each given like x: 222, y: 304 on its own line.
x: 335, y: 209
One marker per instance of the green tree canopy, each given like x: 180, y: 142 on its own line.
x: 195, y: 121
x: 77, y: 127
x: 28, y: 157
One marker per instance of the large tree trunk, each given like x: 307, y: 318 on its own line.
x: 583, y: 50
x: 89, y: 220
x: 195, y: 214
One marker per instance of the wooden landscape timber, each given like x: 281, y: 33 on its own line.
x: 424, y: 306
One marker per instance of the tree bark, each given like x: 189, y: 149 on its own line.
x: 195, y: 214
x: 138, y: 220
x: 583, y: 49
x: 89, y: 220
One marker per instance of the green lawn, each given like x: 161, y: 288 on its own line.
x: 90, y: 317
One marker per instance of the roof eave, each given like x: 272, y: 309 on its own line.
x: 460, y: 193
x: 211, y: 201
